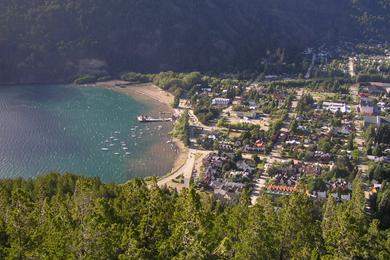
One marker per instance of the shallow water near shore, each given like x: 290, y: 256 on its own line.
x: 84, y: 130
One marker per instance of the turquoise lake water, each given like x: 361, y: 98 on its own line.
x: 66, y: 129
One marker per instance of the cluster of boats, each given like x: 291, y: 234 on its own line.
x: 114, y: 141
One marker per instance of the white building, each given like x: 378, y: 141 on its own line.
x: 221, y: 101
x: 334, y: 107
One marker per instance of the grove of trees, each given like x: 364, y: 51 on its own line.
x: 70, y: 217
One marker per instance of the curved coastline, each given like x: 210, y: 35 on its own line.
x: 161, y: 100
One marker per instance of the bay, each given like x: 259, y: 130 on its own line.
x: 83, y: 130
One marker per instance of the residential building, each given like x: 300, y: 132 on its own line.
x: 221, y: 101
x: 334, y: 107
x: 375, y: 120
x: 366, y: 107
x: 373, y: 90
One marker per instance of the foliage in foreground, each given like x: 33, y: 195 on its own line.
x: 70, y: 217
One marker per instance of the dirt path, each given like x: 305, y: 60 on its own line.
x: 351, y: 67
x: 313, y: 61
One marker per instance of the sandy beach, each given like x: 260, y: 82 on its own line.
x: 161, y: 101
x: 146, y: 91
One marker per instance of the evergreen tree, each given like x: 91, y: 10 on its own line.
x: 4, y: 245
x: 21, y: 223
x: 344, y: 230
x: 259, y: 237
x: 188, y: 234
x: 82, y: 218
x: 58, y: 229
x: 300, y: 232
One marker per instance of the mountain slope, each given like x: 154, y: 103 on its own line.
x: 45, y: 40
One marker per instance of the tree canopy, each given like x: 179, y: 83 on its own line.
x: 70, y: 217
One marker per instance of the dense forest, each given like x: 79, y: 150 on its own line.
x: 56, y: 40
x: 70, y: 217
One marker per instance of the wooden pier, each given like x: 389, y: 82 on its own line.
x: 146, y: 119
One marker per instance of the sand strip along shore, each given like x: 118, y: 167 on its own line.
x: 144, y: 91
x: 148, y: 92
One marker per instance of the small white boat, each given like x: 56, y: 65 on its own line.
x: 111, y: 137
x: 116, y: 153
x: 125, y: 148
x: 115, y: 139
x: 106, y: 141
x: 104, y: 149
x: 123, y: 144
x: 127, y: 153
x: 117, y: 132
x: 133, y: 136
x: 112, y: 144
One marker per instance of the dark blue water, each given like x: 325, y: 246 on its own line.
x: 66, y: 128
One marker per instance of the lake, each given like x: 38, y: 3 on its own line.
x: 84, y: 130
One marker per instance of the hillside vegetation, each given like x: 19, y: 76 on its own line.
x: 56, y: 40
x: 70, y: 217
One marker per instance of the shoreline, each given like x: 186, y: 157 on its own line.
x: 143, y: 91
x: 148, y: 92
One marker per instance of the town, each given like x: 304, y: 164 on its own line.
x: 314, y: 131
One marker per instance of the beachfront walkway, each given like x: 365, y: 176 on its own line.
x: 185, y: 171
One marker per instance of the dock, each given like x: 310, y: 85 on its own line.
x: 146, y: 119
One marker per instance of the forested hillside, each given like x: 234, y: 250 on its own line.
x: 70, y: 217
x: 55, y: 40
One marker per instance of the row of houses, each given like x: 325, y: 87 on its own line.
x: 226, y: 184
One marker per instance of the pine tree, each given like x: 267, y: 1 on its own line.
x: 21, y: 222
x: 4, y: 245
x: 153, y: 229
x: 84, y: 199
x: 188, y: 234
x: 300, y: 232
x: 235, y: 217
x: 329, y: 226
x: 344, y: 230
x: 56, y: 229
x: 259, y: 239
